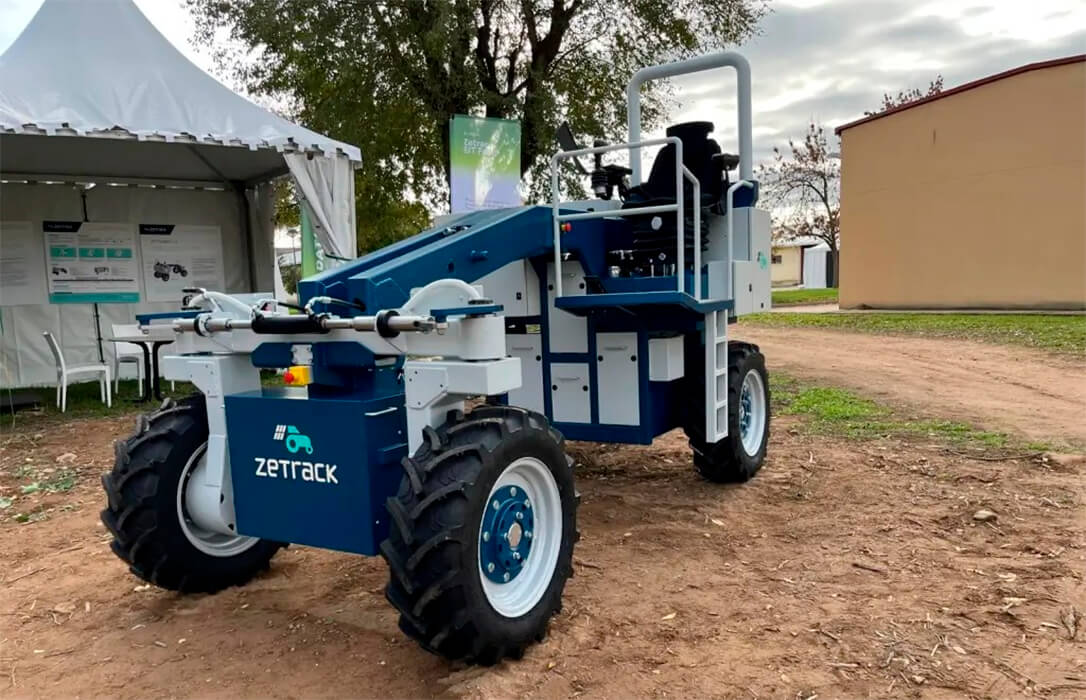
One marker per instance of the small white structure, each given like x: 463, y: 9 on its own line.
x: 816, y: 266
x: 105, y: 128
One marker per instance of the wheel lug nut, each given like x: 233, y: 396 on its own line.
x: 506, y: 576
x: 512, y: 490
x: 516, y: 556
x: 496, y: 504
x: 486, y: 537
x: 528, y: 534
x: 490, y: 567
x: 520, y: 516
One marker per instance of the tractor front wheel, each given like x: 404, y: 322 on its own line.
x: 147, y: 514
x: 482, y: 535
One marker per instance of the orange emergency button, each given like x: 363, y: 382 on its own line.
x: 297, y: 375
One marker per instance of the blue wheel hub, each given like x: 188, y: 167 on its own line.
x: 744, y: 410
x: 505, y: 539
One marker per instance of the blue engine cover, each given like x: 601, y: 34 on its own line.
x: 315, y: 471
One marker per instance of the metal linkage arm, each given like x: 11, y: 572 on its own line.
x: 203, y: 325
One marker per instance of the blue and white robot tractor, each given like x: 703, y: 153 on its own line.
x: 436, y: 380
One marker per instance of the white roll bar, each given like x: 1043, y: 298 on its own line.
x: 694, y: 65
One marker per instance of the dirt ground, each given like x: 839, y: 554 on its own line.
x: 844, y: 570
x: 1035, y: 394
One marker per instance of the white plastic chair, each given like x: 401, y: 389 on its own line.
x: 64, y: 371
x: 126, y: 352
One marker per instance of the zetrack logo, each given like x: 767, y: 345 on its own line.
x: 296, y: 442
x: 296, y: 470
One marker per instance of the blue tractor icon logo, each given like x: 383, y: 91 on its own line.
x: 294, y: 438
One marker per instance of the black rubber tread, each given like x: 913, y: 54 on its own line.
x: 141, y: 506
x: 432, y: 550
x: 726, y: 461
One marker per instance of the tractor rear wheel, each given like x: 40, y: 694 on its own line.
x: 739, y: 456
x: 482, y: 535
x: 146, y: 507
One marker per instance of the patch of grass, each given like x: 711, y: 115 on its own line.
x: 836, y: 411
x: 792, y: 297
x: 1063, y: 334
x: 84, y: 402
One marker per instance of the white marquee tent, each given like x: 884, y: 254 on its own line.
x: 112, y: 141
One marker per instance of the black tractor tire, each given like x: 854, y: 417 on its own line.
x: 433, y: 546
x: 142, y: 512
x: 727, y: 461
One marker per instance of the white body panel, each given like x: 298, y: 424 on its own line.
x: 665, y: 359
x: 515, y: 286
x: 750, y: 267
x: 569, y: 392
x: 566, y: 332
x: 528, y: 348
x: 616, y: 363
x: 435, y: 387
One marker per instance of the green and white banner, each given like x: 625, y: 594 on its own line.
x: 484, y: 160
x: 91, y: 262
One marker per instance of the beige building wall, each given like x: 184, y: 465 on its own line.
x: 789, y: 271
x: 974, y: 200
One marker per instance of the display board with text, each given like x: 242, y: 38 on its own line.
x: 484, y: 160
x: 176, y: 256
x: 21, y: 263
x: 91, y: 262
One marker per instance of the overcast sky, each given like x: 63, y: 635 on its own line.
x: 824, y: 59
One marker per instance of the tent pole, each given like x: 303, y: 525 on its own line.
x: 97, y: 315
x: 247, y: 228
x: 98, y: 333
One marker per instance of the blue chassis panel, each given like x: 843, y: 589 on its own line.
x: 330, y: 494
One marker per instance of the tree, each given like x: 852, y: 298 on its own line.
x: 389, y: 74
x: 804, y: 188
x: 890, y: 102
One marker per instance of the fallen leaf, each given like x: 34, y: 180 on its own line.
x: 669, y: 616
x: 714, y: 521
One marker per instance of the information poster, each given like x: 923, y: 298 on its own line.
x: 89, y: 262
x: 176, y: 256
x: 484, y: 160
x: 21, y: 264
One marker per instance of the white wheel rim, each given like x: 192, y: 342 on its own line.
x: 520, y: 594
x: 212, y: 543
x: 752, y: 412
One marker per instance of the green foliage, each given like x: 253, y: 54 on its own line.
x: 785, y: 297
x: 835, y: 411
x: 291, y: 275
x: 1059, y: 333
x: 389, y: 75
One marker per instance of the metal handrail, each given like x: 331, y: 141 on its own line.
x: 681, y: 173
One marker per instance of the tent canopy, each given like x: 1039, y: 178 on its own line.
x: 90, y: 92
x: 101, y: 69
